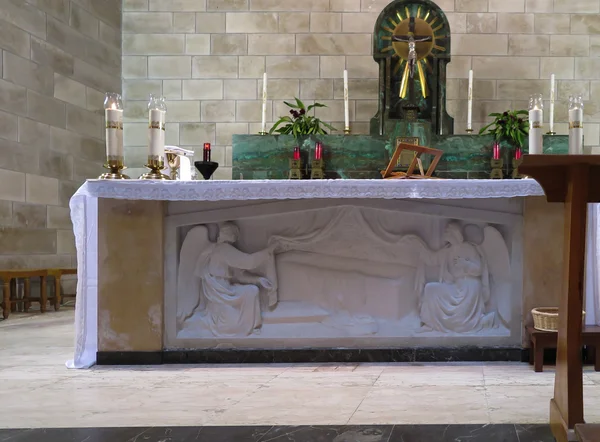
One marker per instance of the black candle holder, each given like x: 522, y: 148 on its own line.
x: 206, y: 168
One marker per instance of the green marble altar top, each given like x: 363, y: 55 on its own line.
x: 364, y: 156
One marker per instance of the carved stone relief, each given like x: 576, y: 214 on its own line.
x: 344, y: 272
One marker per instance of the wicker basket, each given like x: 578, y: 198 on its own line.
x: 546, y: 318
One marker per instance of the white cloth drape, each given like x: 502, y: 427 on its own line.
x: 84, y: 215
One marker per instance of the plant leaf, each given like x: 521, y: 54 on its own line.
x: 293, y: 106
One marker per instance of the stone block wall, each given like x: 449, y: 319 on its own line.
x: 208, y: 56
x: 58, y: 59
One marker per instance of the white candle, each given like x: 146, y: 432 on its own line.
x: 346, y: 107
x: 114, y: 132
x: 264, y: 104
x: 575, y: 125
x: 552, y: 100
x: 156, y: 143
x: 536, y: 118
x: 470, y: 102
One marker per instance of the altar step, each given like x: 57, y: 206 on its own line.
x: 288, y: 312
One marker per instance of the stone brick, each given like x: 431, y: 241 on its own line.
x: 458, y: 22
x: 334, y: 111
x: 471, y: 6
x: 507, y: 6
x: 278, y: 89
x: 25, y: 16
x: 595, y: 45
x: 482, y: 89
x: 516, y: 23
x: 48, y: 55
x: 539, y: 5
x: 210, y: 23
x: 517, y: 89
x: 14, y: 39
x: 65, y: 142
x: 328, y: 22
x: 552, y: 23
x: 141, y: 89
x: 333, y: 44
x: 359, y: 89
x: 572, y: 87
x: 196, y: 134
x: 26, y: 241
x: 247, y: 23
x: 562, y: 67
x: 34, y: 134
x: 55, y: 165
x: 147, y: 22
x: 251, y: 111
x: 289, y: 5
x: 585, y: 23
x: 359, y: 22
x: 587, y: 68
x: 332, y: 66
x: 227, y: 5
x: 362, y: 66
x: 70, y: 91
x: 184, y: 22
x: 294, y: 22
x: 229, y: 44
x: 318, y: 89
x: 65, y: 242
x: 8, y: 126
x: 177, y: 5
x: 481, y: 23
x: 32, y: 216
x: 56, y: 8
x: 104, y: 57
x: 262, y: 44
x: 5, y: 214
x: 529, y: 45
x: 46, y: 109
x: 66, y: 190
x: 183, y: 111
x: 84, y: 122
x: 292, y: 67
x: 222, y: 66
x: 345, y: 5
x: 365, y: 110
x: 570, y: 45
x: 251, y: 66
x: 136, y: 111
x: 26, y: 73
x: 480, y: 44
x: 94, y: 100
x: 41, y: 190
x: 225, y: 132
x: 241, y: 89
x: 84, y: 170
x: 202, y: 89
x: 170, y: 67
x: 172, y: 89
x: 93, y: 77
x: 12, y: 185
x: 585, y: 6
x: 84, y: 22
x: 506, y: 67
x: 18, y: 157
x: 66, y: 38
x: 109, y: 11
x: 135, y: 5
x: 153, y: 44
x: 217, y: 111
x: 135, y: 67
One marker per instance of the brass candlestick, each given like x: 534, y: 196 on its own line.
x: 497, y: 166
x: 295, y: 170
x: 317, y: 170
x: 347, y: 131
x: 516, y: 163
x: 263, y: 133
x: 115, y: 165
x: 469, y: 131
x: 155, y: 164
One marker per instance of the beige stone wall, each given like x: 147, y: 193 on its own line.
x: 58, y: 58
x: 207, y: 57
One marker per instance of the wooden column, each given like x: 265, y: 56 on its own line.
x: 574, y: 180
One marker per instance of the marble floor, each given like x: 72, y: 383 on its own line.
x: 37, y: 391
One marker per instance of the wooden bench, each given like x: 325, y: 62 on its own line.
x: 9, y: 302
x: 587, y: 432
x: 541, y: 340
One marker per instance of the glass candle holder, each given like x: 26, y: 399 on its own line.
x: 576, y: 124
x: 536, y: 118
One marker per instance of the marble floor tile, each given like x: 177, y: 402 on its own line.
x: 534, y: 433
x: 452, y: 433
x: 422, y: 405
x: 430, y: 374
x: 329, y: 433
x: 519, y: 403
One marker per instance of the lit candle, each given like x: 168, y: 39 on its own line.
x: 552, y: 99
x: 206, y: 152
x: 113, y: 114
x: 318, y: 151
x: 470, y: 103
x: 536, y: 118
x: 264, y: 105
x: 157, y: 111
x: 518, y: 153
x: 296, y: 153
x: 496, y: 151
x: 346, y: 107
x: 576, y: 124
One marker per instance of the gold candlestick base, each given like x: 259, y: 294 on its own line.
x: 497, y: 166
x: 347, y: 131
x: 469, y: 131
x: 263, y: 133
x: 550, y: 133
x: 295, y: 170
x: 515, y: 173
x: 115, y: 165
x: 155, y: 164
x: 317, y: 170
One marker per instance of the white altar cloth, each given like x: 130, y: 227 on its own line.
x: 84, y: 214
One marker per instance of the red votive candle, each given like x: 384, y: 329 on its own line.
x: 496, y: 151
x: 296, y: 153
x: 206, y: 152
x: 518, y: 153
x: 318, y: 151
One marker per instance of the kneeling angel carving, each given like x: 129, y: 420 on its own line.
x: 222, y: 284
x: 472, y: 292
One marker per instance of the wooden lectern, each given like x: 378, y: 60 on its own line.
x: 574, y: 180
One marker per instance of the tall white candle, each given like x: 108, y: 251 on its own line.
x: 264, y: 104
x: 552, y: 100
x: 470, y: 102
x: 346, y: 106
x: 156, y: 127
x: 536, y: 118
x: 576, y: 125
x: 113, y: 114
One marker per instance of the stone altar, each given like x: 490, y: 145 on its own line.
x: 366, y: 269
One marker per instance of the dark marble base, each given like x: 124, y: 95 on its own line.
x: 457, y: 354
x: 329, y: 433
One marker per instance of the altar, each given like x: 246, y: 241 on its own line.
x: 269, y: 271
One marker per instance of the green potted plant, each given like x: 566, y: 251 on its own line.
x: 299, y: 122
x: 510, y: 126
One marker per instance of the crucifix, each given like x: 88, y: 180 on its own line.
x: 412, y: 41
